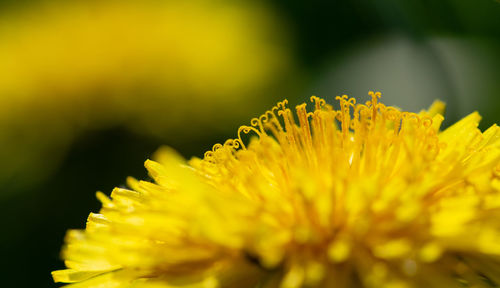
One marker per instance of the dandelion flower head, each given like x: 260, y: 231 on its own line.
x: 363, y: 196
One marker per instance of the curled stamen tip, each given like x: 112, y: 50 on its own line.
x: 343, y: 97
x: 283, y: 103
x: 245, y: 129
x: 232, y: 143
x: 374, y: 94
x: 284, y: 112
x: 216, y: 147
x: 300, y: 106
x: 254, y: 121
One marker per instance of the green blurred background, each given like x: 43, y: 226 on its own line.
x: 90, y: 89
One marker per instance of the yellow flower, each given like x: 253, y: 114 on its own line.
x: 363, y: 196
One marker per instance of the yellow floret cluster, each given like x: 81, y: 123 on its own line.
x: 361, y: 196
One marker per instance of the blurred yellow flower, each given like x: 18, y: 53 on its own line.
x: 364, y: 196
x: 150, y: 65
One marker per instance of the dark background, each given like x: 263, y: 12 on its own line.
x: 325, y: 34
